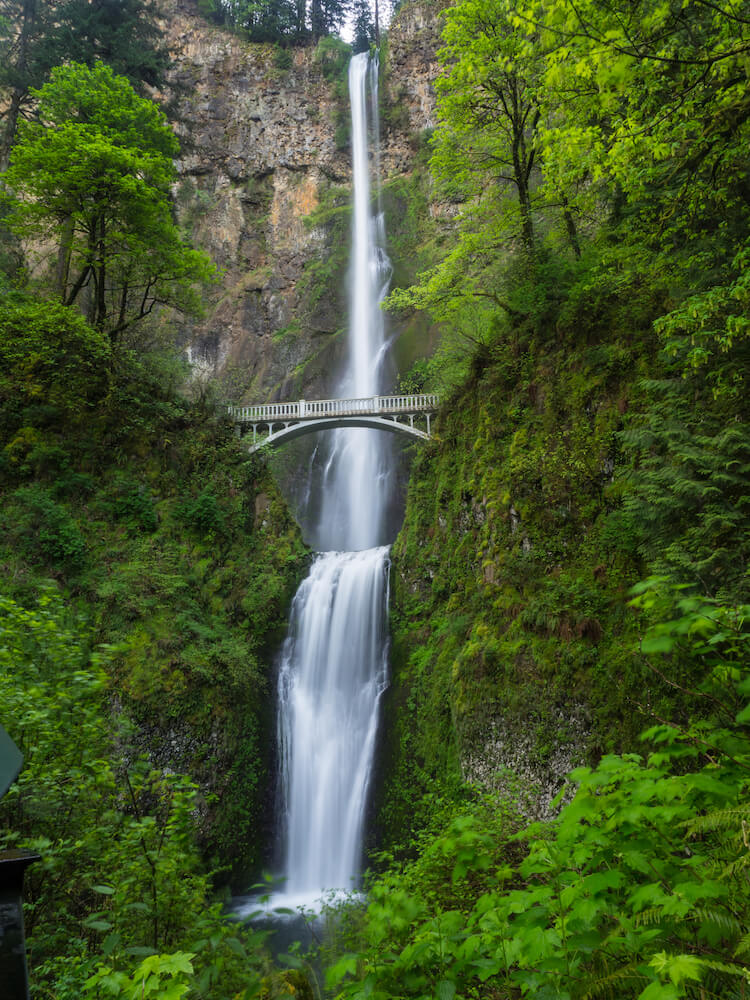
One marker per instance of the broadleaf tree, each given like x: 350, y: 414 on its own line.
x: 36, y: 36
x: 488, y: 159
x: 94, y: 175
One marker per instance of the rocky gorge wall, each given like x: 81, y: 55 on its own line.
x: 264, y: 145
x: 515, y: 654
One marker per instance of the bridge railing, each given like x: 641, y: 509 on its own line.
x: 312, y: 409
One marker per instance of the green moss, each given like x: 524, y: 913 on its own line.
x: 332, y: 55
x: 511, y: 571
x: 175, y: 544
x: 323, y: 283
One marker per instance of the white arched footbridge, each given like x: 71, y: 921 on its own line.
x: 274, y: 423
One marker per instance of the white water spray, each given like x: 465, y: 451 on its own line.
x: 333, y: 667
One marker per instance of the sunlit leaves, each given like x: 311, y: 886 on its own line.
x: 117, y: 905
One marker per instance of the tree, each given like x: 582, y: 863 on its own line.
x: 36, y: 36
x: 94, y: 174
x: 327, y: 16
x: 489, y: 110
x: 284, y: 21
x: 486, y: 157
x: 657, y: 105
x: 264, y: 20
x: 26, y: 56
x: 122, y: 33
x: 364, y: 28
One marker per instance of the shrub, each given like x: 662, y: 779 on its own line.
x: 203, y: 515
x: 47, y: 531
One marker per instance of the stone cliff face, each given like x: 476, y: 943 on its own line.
x: 413, y: 42
x: 262, y: 147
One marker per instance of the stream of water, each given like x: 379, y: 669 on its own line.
x: 334, y: 661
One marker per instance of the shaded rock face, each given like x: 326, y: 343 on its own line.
x: 506, y: 758
x: 261, y: 147
x: 413, y: 43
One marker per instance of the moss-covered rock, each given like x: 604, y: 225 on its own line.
x: 514, y: 649
x: 147, y: 513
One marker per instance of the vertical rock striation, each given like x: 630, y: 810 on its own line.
x: 262, y: 147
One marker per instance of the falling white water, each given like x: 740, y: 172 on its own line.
x: 332, y: 675
x: 334, y: 661
x: 358, y: 476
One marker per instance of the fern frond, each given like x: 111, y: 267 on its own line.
x: 653, y: 915
x: 730, y: 969
x: 720, y: 981
x: 610, y: 984
x: 726, y: 820
x: 735, y: 867
x: 721, y: 920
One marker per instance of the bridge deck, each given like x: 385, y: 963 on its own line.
x: 316, y: 409
x: 388, y: 413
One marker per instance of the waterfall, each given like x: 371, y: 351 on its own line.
x: 333, y: 663
x: 359, y: 472
x: 332, y: 675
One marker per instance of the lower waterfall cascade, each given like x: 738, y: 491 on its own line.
x: 333, y: 671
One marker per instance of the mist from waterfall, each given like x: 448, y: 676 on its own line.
x: 334, y: 661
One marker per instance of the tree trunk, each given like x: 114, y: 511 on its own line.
x: 316, y: 20
x: 9, y: 132
x: 93, y: 295
x: 62, y: 271
x: 20, y: 90
x: 101, y: 275
x: 523, y: 159
x: 520, y: 174
x: 570, y: 226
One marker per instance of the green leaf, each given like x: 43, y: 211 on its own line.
x: 445, y: 990
x: 655, y: 643
x: 236, y: 946
x: 98, y: 925
x: 660, y: 991
x: 679, y: 968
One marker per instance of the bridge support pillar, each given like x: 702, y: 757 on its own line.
x: 428, y: 423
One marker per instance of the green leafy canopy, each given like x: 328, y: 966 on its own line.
x: 94, y: 174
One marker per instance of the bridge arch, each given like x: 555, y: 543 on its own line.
x: 279, y: 437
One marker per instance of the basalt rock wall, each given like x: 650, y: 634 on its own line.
x: 264, y: 144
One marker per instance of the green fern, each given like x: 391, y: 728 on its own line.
x: 611, y: 984
x: 720, y: 820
